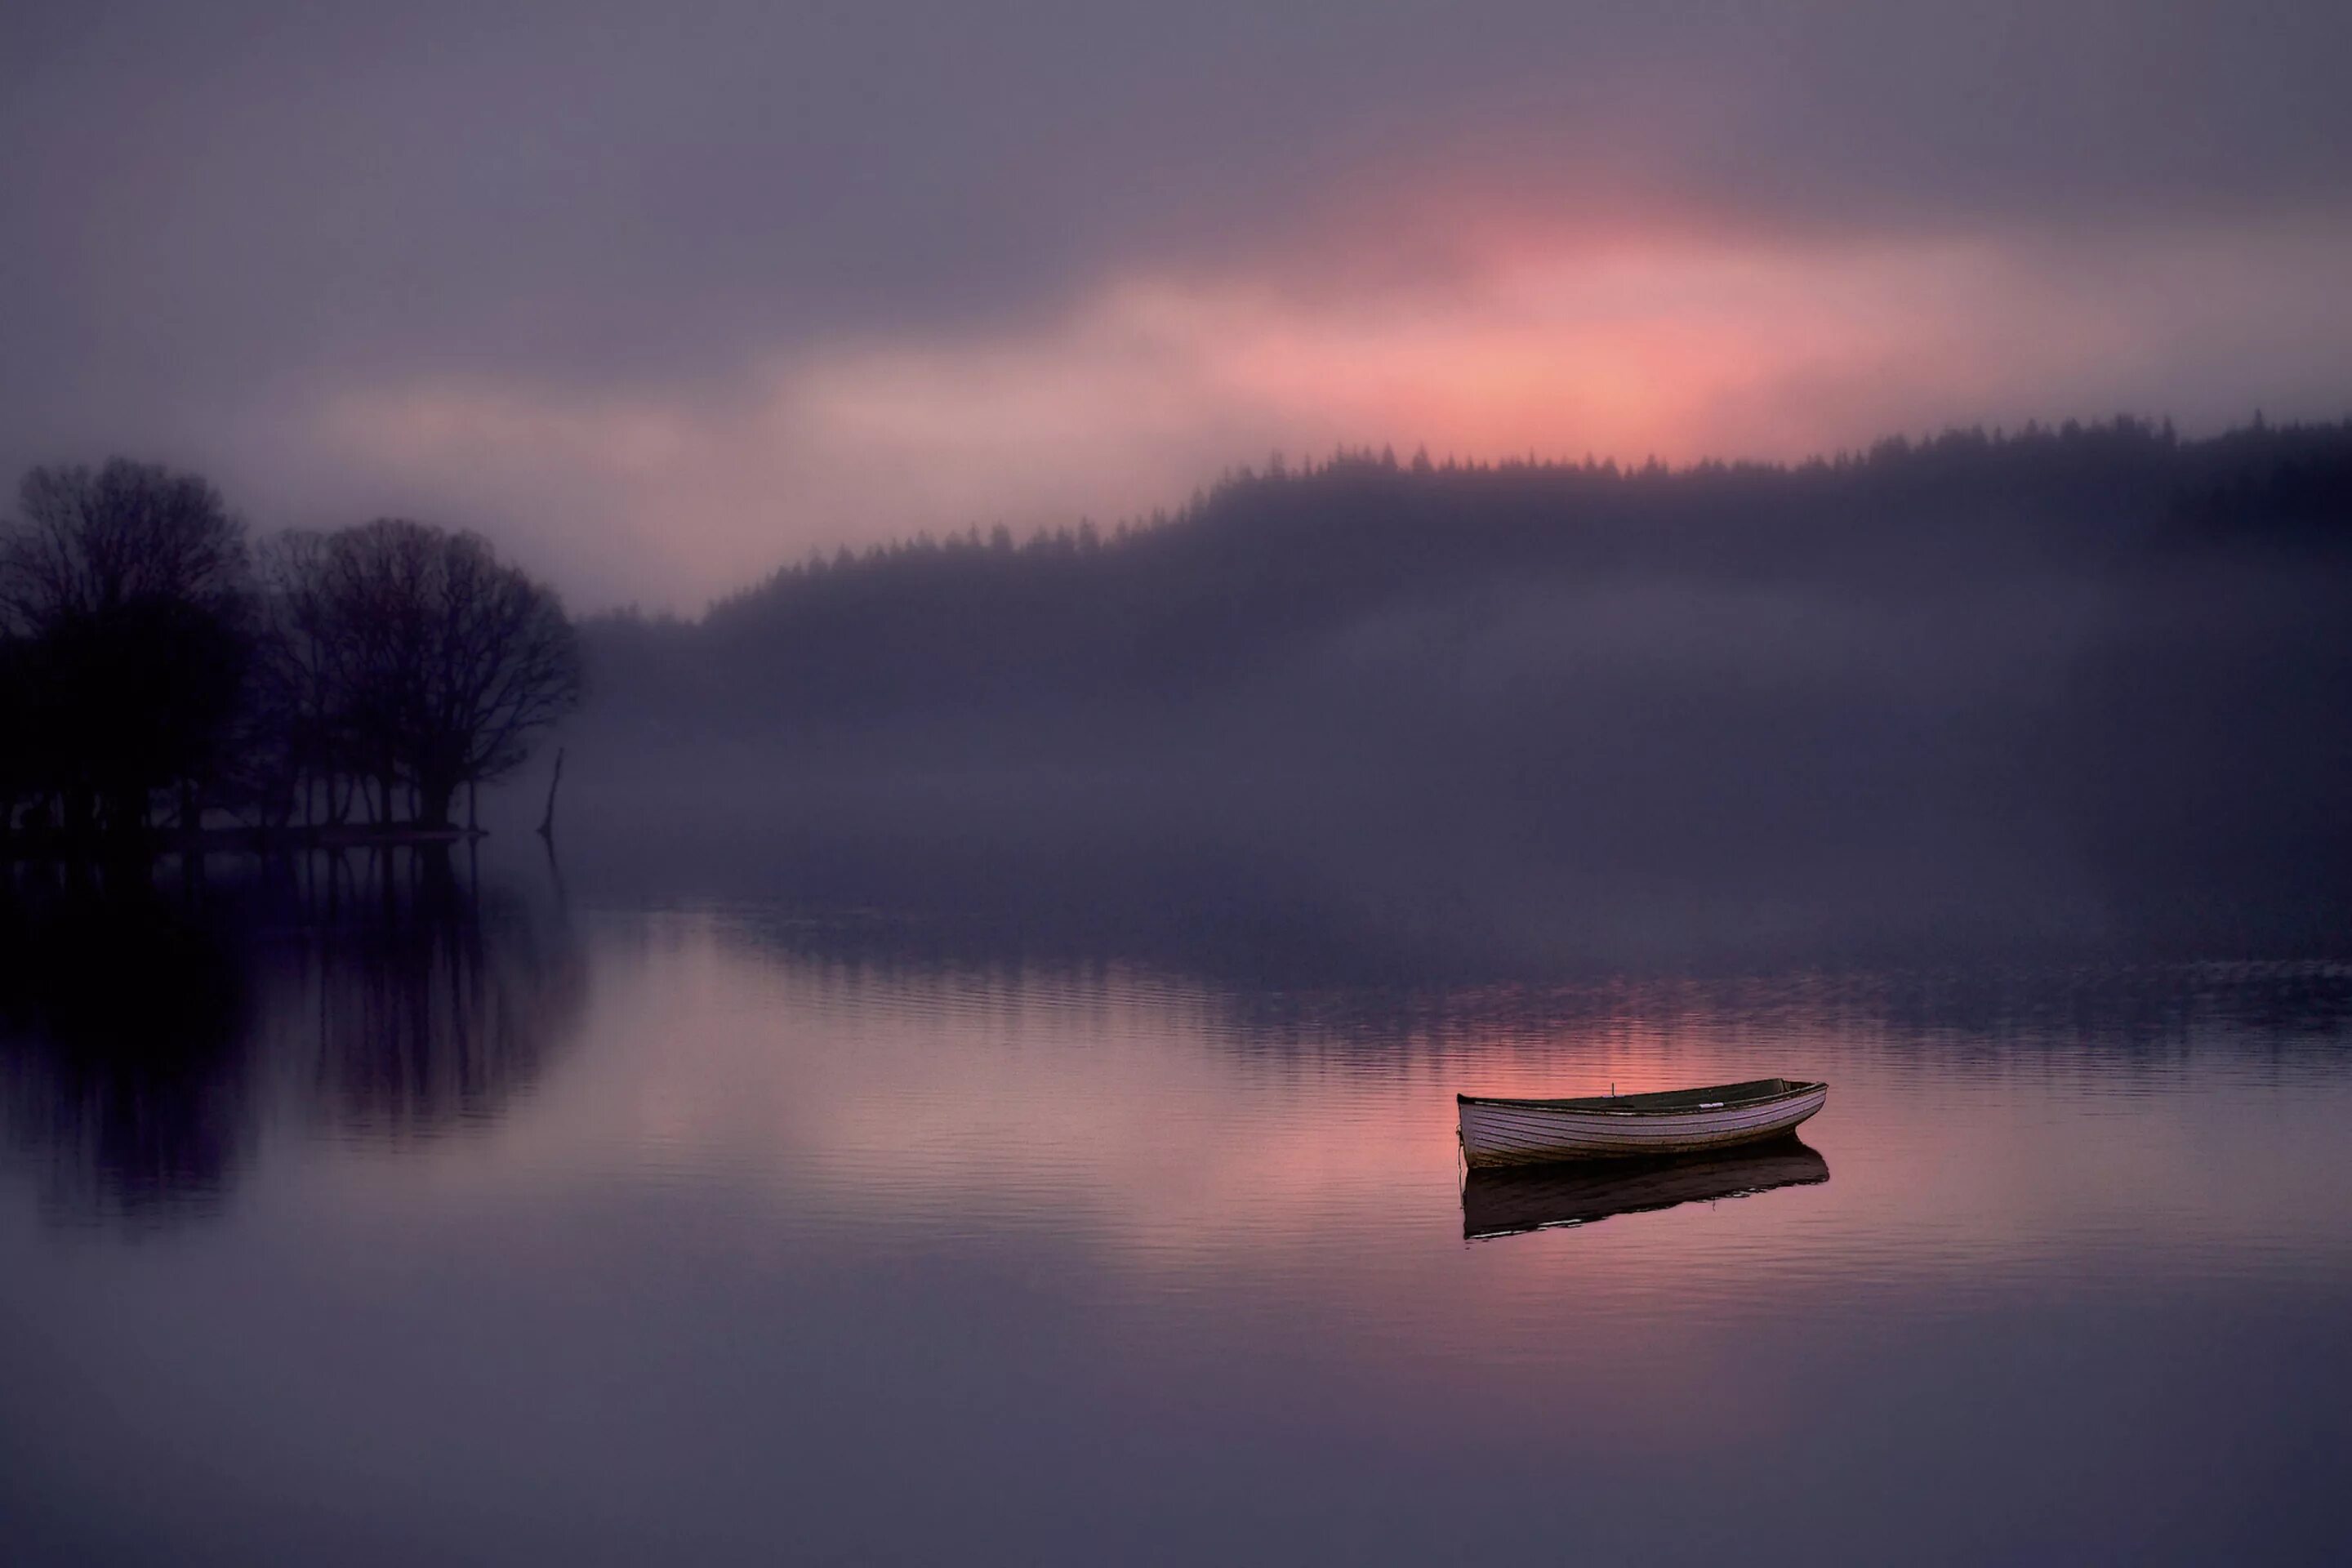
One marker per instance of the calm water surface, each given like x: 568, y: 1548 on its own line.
x: 514, y: 1228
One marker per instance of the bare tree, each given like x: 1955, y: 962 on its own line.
x: 301, y: 743
x: 88, y: 543
x: 131, y: 585
x: 415, y: 657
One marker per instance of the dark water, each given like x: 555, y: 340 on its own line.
x: 444, y: 1224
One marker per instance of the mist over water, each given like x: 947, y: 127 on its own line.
x: 2079, y: 689
x: 969, y: 1072
x: 951, y: 1050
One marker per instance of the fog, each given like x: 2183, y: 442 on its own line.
x: 2079, y: 688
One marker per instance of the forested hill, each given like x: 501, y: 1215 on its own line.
x: 2066, y: 684
x: 1268, y: 567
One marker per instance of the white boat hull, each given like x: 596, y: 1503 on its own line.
x: 1534, y: 1132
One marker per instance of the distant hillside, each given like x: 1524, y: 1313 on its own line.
x: 2083, y: 684
x: 1259, y: 567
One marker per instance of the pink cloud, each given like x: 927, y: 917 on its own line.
x: 1681, y: 345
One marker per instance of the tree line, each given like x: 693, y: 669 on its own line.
x: 1964, y: 689
x: 1282, y: 558
x: 160, y: 668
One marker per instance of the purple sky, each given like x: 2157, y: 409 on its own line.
x: 661, y: 296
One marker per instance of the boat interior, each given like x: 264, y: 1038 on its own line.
x: 1711, y: 1097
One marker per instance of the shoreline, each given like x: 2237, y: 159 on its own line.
x: 154, y: 843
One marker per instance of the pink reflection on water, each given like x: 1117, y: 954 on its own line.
x: 1193, y: 1147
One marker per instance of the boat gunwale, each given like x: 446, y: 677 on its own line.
x: 1685, y: 1101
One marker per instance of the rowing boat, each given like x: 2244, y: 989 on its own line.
x: 1518, y: 1198
x: 1497, y: 1131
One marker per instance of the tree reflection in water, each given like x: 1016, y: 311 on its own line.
x: 124, y: 1076
x: 415, y: 1000
x: 150, y: 1037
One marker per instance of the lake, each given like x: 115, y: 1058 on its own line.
x: 502, y: 1220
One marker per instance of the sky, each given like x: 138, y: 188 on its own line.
x: 661, y: 296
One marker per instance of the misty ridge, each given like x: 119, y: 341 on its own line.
x: 2073, y: 687
x: 2084, y: 685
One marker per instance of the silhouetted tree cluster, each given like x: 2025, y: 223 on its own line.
x: 127, y: 612
x: 148, y: 655
x: 398, y: 655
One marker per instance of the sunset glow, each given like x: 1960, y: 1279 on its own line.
x: 1678, y: 347
x: 1253, y: 782
x: 672, y: 313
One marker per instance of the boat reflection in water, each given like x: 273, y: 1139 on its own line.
x: 1513, y: 1199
